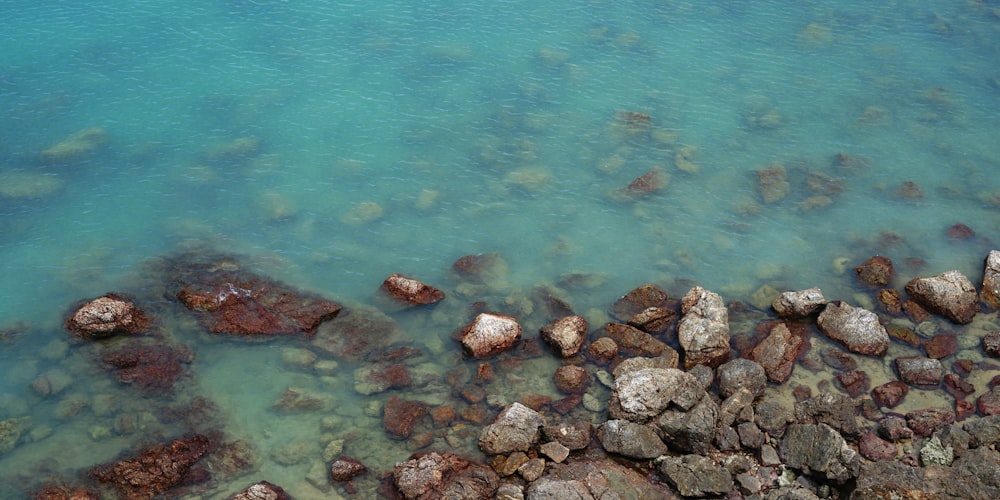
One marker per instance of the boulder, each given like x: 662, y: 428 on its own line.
x: 873, y: 447
x: 691, y: 431
x: 149, y: 366
x: 489, y: 334
x: 654, y: 320
x: 669, y: 359
x: 156, y: 470
x: 641, y: 395
x: 855, y: 328
x: 633, y: 341
x: 443, y: 475
x: 925, y: 421
x: 630, y: 439
x: 105, y: 316
x: 941, y: 346
x: 696, y: 476
x: 991, y: 280
x: 894, y: 428
x: 778, y: 351
x: 554, y: 488
x: 346, y: 469
x: 799, y: 304
x: 875, y: 272
x: 516, y: 428
x: 586, y: 478
x: 738, y: 373
x: 262, y: 491
x: 566, y: 335
x: 411, y: 291
x: 919, y: 371
x: 818, y: 450
x: 983, y: 431
x: 638, y: 300
x: 989, y: 402
x: 773, y: 417
x: 949, y: 294
x: 571, y: 379
x: 575, y: 436
x: 974, y: 475
x: 834, y: 410
x: 400, y: 416
x: 890, y: 394
x: 703, y: 330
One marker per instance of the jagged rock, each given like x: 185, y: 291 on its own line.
x: 834, y: 410
x: 641, y: 395
x: 890, y: 394
x: 819, y: 450
x: 630, y: 439
x: 575, y: 436
x: 989, y: 402
x: 262, y: 491
x: 778, y: 351
x: 894, y: 428
x: 638, y: 300
x: 853, y: 382
x: 773, y: 417
x: 668, y: 359
x: 633, y: 341
x: 654, y: 320
x: 443, y: 475
x: 984, y: 431
x: 589, y: 479
x: 156, y: 469
x: 856, y: 329
x: 346, y: 468
x: 991, y: 344
x: 411, y: 291
x: 696, y: 476
x: 919, y: 371
x: 925, y: 421
x: 548, y: 488
x: 799, y: 304
x: 359, y: 333
x: 949, y: 294
x: 973, y: 476
x: 566, y: 335
x: 691, y: 431
x: 516, y: 428
x: 875, y: 272
x: 490, y: 334
x: 106, y: 316
x: 991, y: 280
x: 703, y: 330
x: 738, y: 373
x: 150, y: 366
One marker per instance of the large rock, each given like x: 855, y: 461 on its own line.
x: 358, y: 334
x: 490, y: 334
x: 401, y: 416
x: 778, y: 351
x: 703, y: 330
x: 991, y: 280
x: 949, y: 294
x: 799, y: 304
x: 696, y: 476
x: 738, y: 373
x: 975, y: 475
x: 855, y: 328
x: 106, y: 316
x: 630, y: 439
x: 919, y: 371
x: 638, y: 300
x: 818, y: 450
x: 589, y: 479
x: 691, y: 431
x: 262, y: 491
x: 566, y: 335
x: 149, y: 366
x: 516, y: 428
x: 411, y: 291
x: 156, y: 470
x: 443, y: 475
x: 641, y: 395
x: 633, y: 341
x: 834, y: 410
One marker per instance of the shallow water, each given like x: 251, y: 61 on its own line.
x: 333, y: 145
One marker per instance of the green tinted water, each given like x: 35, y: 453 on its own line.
x: 336, y: 144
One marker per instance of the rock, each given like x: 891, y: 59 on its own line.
x: 799, y: 304
x: 853, y: 382
x: 575, y: 436
x: 547, y: 488
x: 890, y: 394
x: 638, y: 300
x: 443, y: 475
x: 571, y: 379
x: 380, y: 377
x: 818, y: 450
x: 487, y: 269
x: 401, y: 416
x: 262, y: 491
x: 566, y: 335
x: 772, y: 183
x: 11, y: 431
x: 490, y: 334
x: 919, y: 371
x: 703, y: 330
x: 751, y: 436
x: 641, y: 395
x: 875, y: 448
x: 669, y: 359
x: 773, y: 417
x: 778, y: 351
x: 934, y: 453
x: 654, y: 320
x: 151, y: 367
x: 735, y: 406
x: 838, y: 359
x: 76, y: 147
x: 991, y: 280
x: 991, y: 344
x: 941, y: 346
x: 696, y: 476
x: 359, y: 333
x: 516, y: 428
x: 411, y: 291
x: 589, y: 479
x: 691, y: 431
x: 834, y: 410
x: 949, y: 294
x: 989, y: 402
x: 890, y: 300
x: 973, y: 476
x: 650, y: 182
x: 924, y: 422
x: 555, y: 451
x: 603, y: 350
x: 984, y: 431
x: 875, y: 272
x: 346, y: 469
x: 106, y: 316
x: 633, y: 341
x: 630, y: 439
x: 156, y: 470
x: 532, y: 469
x: 738, y: 373
x: 295, y: 399
x: 894, y: 428
x: 957, y: 386
x: 856, y: 329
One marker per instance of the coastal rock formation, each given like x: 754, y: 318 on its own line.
x: 991, y: 280
x: 633, y: 341
x: 637, y: 300
x: 106, y: 316
x: 641, y: 395
x: 856, y: 329
x: 696, y: 476
x: 411, y: 291
x: 156, y: 470
x: 741, y: 372
x: 489, y: 334
x: 799, y: 304
x: 566, y: 335
x: 443, y: 475
x: 778, y: 351
x: 703, y: 330
x: 151, y: 367
x: 949, y: 294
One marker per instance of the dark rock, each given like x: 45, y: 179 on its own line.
x: 575, y: 436
x: 975, y: 476
x: 991, y: 344
x: 957, y: 387
x: 989, y: 402
x: 106, y: 316
x: 751, y: 436
x: 773, y: 417
x: 818, y: 450
x: 630, y: 439
x: 875, y: 272
x: 941, y: 346
x: 778, y: 351
x: 703, y: 330
x: 488, y: 268
x: 588, y: 479
x: 837, y: 359
x: 960, y: 231
x: 799, y: 304
x: 346, y: 469
x: 443, y: 475
x: 151, y: 367
x: 516, y: 428
x: 949, y: 294
x: 984, y: 431
x: 566, y: 335
x: 890, y: 394
x: 400, y: 416
x: 411, y: 291
x: 490, y: 334
x: 696, y: 476
x: 738, y: 373
x: 571, y: 379
x: 854, y: 382
x: 925, y: 421
x: 894, y: 428
x: 633, y: 341
x: 772, y: 183
x: 380, y: 377
x: 856, y: 329
x: 875, y: 448
x: 834, y: 410
x: 691, y: 431
x: 736, y: 407
x: 156, y: 470
x: 991, y: 280
x: 919, y: 371
x: 358, y: 334
x: 638, y: 300
x: 262, y: 491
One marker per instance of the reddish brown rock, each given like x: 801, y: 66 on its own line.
x: 638, y: 300
x: 346, y: 469
x: 941, y: 346
x: 443, y: 475
x: 957, y: 387
x: 654, y: 320
x: 949, y: 294
x: 919, y: 371
x: 360, y: 333
x: 875, y: 272
x: 571, y: 379
x: 894, y: 428
x: 603, y: 349
x: 991, y: 344
x: 147, y: 366
x: 876, y: 449
x: 837, y: 359
x: 566, y: 404
x: 566, y: 335
x: 989, y: 402
x: 915, y: 311
x: 890, y: 300
x: 401, y: 416
x: 959, y: 231
x: 854, y: 382
x: 106, y: 316
x: 411, y: 291
x: 903, y: 334
x: 924, y: 422
x: 778, y: 351
x: 890, y: 394
x: 964, y: 409
x: 909, y: 191
x: 156, y: 470
x: 652, y: 181
x: 855, y: 328
x: 633, y: 341
x: 65, y: 493
x: 262, y: 491
x: 489, y: 334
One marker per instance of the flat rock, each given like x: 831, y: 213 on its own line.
x: 411, y: 291
x: 633, y: 341
x: 949, y: 294
x: 799, y: 304
x: 443, y: 475
x: 696, y: 476
x: 630, y: 439
x: 834, y: 410
x: 490, y: 334
x: 586, y: 478
x: 155, y: 470
x: 641, y: 395
x: 855, y: 328
x: 703, y: 330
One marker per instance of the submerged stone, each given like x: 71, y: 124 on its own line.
x: 156, y: 469
x: 411, y: 291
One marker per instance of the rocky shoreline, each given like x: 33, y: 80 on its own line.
x: 691, y: 407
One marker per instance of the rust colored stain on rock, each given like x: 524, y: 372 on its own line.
x: 410, y: 290
x: 151, y: 367
x: 106, y: 316
x: 156, y: 469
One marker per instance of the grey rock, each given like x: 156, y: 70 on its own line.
x: 547, y: 488
x: 834, y: 410
x: 949, y: 294
x: 855, y: 328
x: 490, y: 334
x: 750, y: 435
x: 668, y: 359
x: 575, y: 436
x: 772, y: 416
x: 516, y: 428
x: 696, y: 476
x: 641, y: 395
x: 630, y: 439
x: 984, y: 431
x: 741, y: 372
x: 991, y: 280
x: 819, y: 450
x: 919, y: 371
x: 690, y: 431
x: 703, y: 330
x: 799, y: 304
x: 444, y: 475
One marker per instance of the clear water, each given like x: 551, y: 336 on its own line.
x: 472, y: 127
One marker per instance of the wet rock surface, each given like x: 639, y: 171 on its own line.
x: 490, y: 334
x: 443, y: 475
x: 105, y: 316
x: 156, y: 470
x: 703, y: 330
x: 799, y: 304
x: 566, y: 335
x: 411, y: 291
x: 949, y: 294
x: 856, y: 329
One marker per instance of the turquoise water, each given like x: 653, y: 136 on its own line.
x: 336, y: 143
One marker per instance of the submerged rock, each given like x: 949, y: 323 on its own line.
x: 11, y: 431
x: 490, y: 334
x: 876, y: 272
x: 106, y: 316
x: 346, y: 468
x: 148, y: 366
x: 76, y: 147
x: 411, y: 291
x: 156, y: 469
x: 991, y: 280
x: 772, y: 183
x: 262, y: 491
x: 856, y: 329
x: 703, y: 330
x: 637, y: 300
x: 949, y: 294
